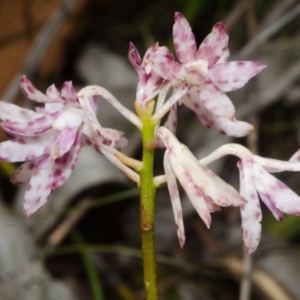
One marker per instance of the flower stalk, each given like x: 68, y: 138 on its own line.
x: 147, y: 208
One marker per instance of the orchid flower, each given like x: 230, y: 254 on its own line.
x: 207, y: 73
x: 149, y: 83
x: 49, y: 140
x: 206, y: 190
x: 255, y: 181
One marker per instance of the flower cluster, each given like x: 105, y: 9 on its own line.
x: 48, y: 140
x: 203, y: 76
x: 205, y: 189
x: 255, y: 181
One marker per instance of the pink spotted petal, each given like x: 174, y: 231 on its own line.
x: 153, y: 51
x: 69, y: 118
x: 212, y: 207
x: 24, y: 172
x: 218, y: 190
x: 171, y: 122
x: 224, y: 57
x: 250, y: 211
x: 230, y: 76
x: 34, y: 127
x: 216, y: 101
x: 63, y: 166
x: 117, y: 138
x: 87, y: 107
x: 175, y: 200
x: 194, y: 193
x: 52, y: 107
x: 25, y: 148
x: 149, y: 83
x: 150, y: 53
x: 231, y: 128
x: 52, y: 92
x: 214, y: 45
x: 69, y: 95
x: 163, y: 51
x: 148, y: 87
x: 63, y: 142
x: 178, y: 93
x: 280, y: 195
x: 134, y: 58
x: 184, y: 40
x: 31, y: 92
x: 38, y: 189
x: 12, y: 113
x: 278, y: 215
x: 167, y: 68
x: 229, y: 87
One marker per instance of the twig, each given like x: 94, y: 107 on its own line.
x: 234, y: 15
x: 268, y: 32
x: 275, y: 12
x: 245, y: 289
x: 273, y: 92
x: 264, y: 281
x: 75, y: 215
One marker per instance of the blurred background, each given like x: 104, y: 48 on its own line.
x: 85, y: 243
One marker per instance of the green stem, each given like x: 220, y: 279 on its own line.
x: 147, y: 209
